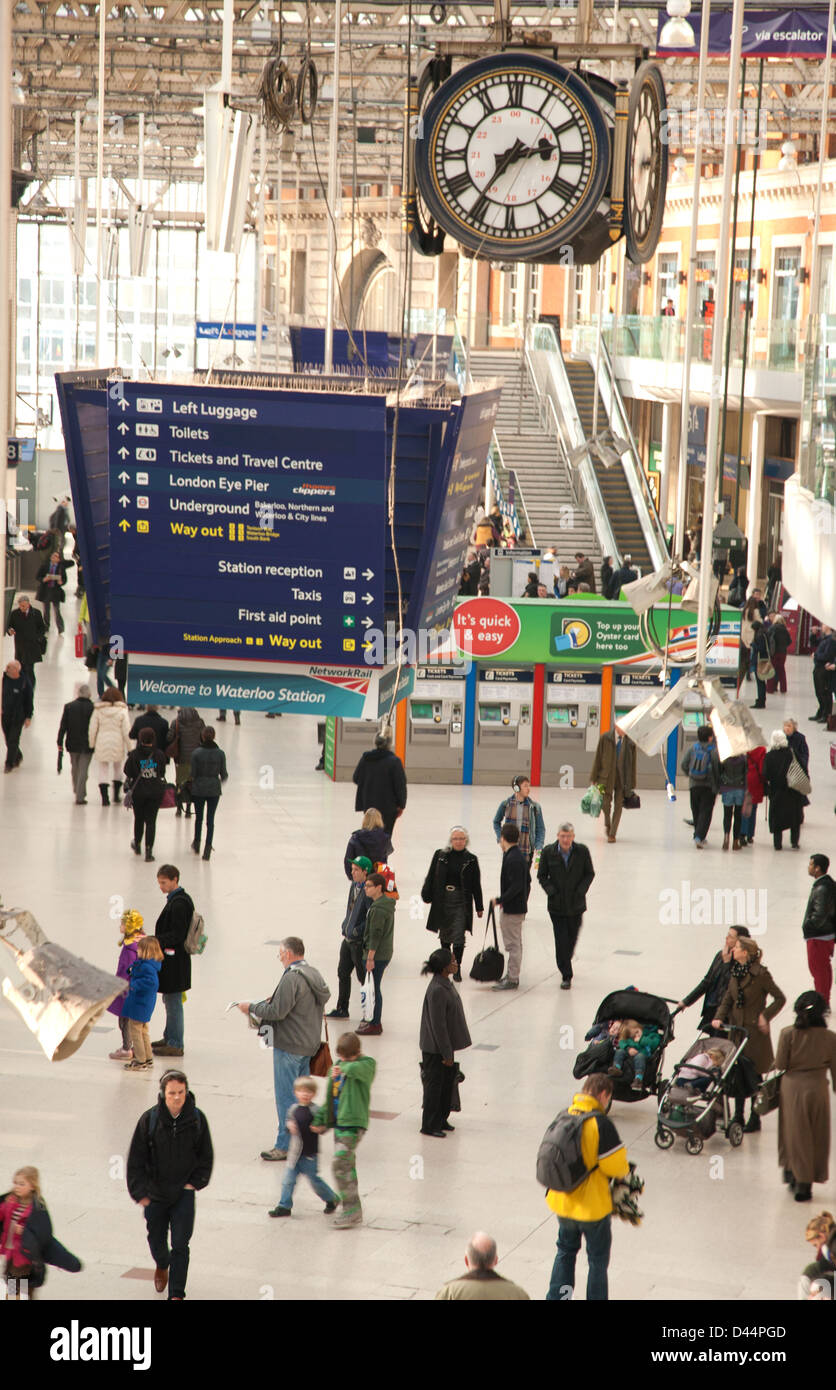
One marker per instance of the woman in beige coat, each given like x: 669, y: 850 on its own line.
x: 744, y: 1006
x: 806, y: 1051
x: 109, y: 737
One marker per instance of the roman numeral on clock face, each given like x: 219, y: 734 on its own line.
x: 516, y: 91
x: 458, y: 183
x: 563, y: 188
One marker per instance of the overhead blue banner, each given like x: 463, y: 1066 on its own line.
x: 766, y: 33
x: 453, y: 508
x: 246, y: 523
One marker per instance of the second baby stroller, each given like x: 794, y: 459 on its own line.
x: 700, y: 1099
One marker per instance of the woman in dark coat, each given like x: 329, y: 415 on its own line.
x: 452, y: 885
x: 371, y: 840
x: 714, y: 983
x: 785, y: 804
x: 780, y: 641
x: 145, y: 777
x: 444, y: 1032
x: 733, y: 773
x: 183, y: 739
x: 806, y: 1052
x: 208, y: 770
x: 52, y: 576
x: 744, y: 1006
x: 759, y: 652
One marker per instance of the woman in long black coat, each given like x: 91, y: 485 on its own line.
x: 452, y: 886
x: 785, y: 804
x: 443, y: 1032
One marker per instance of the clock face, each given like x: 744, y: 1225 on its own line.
x: 647, y: 164
x: 514, y: 156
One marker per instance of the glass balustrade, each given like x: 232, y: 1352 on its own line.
x: 771, y: 344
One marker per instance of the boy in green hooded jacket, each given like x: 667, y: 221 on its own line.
x: 346, y: 1111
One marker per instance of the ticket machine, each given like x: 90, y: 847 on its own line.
x: 571, y: 726
x: 435, y: 725
x: 502, y: 742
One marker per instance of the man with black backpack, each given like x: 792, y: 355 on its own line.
x: 581, y: 1151
x: 170, y: 1159
x: 702, y: 766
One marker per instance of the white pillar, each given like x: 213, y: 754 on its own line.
x: 755, y: 506
x: 668, y: 458
x: 6, y: 288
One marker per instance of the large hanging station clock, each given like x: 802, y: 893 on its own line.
x: 517, y: 158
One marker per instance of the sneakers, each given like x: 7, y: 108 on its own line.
x: 637, y: 1085
x: 274, y: 1155
x: 138, y: 1066
x: 372, y: 1029
x: 279, y: 1210
x: 507, y: 983
x: 122, y: 1054
x: 337, y: 1013
x: 330, y: 1207
x: 163, y: 1050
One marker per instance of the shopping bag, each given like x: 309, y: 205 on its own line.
x: 367, y: 997
x: 592, y: 801
x: 797, y: 778
x: 169, y: 800
x: 79, y: 642
x: 490, y: 962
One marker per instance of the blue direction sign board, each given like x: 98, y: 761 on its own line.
x: 245, y: 523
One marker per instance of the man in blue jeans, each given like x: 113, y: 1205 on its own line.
x: 586, y: 1212
x: 293, y: 1017
x: 170, y: 1159
x: 176, y: 970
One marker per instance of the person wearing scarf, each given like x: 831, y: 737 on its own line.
x: 744, y: 1006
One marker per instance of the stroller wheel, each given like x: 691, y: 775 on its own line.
x: 664, y: 1137
x: 734, y: 1134
x: 694, y: 1145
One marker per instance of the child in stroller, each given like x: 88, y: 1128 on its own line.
x: 700, y: 1095
x: 645, y: 1012
x: 639, y: 1041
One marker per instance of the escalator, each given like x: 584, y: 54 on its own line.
x: 612, y: 482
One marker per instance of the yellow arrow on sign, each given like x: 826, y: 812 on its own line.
x: 124, y: 525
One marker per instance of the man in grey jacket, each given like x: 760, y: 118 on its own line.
x: 293, y: 1014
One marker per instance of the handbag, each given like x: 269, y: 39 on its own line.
x: 768, y: 1095
x: 128, y: 796
x: 766, y: 671
x: 169, y: 800
x: 172, y: 749
x: 632, y: 802
x: 797, y: 778
x: 490, y: 962
x: 367, y: 997
x: 321, y: 1061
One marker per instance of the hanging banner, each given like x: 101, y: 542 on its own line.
x: 272, y: 687
x: 766, y: 34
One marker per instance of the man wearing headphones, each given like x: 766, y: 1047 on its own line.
x: 526, y: 815
x: 170, y: 1159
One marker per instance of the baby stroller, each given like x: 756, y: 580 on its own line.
x: 695, y: 1115
x: 644, y: 1008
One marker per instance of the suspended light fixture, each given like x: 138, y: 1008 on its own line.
x: 680, y: 165
x: 90, y: 121
x: 18, y: 94
x: 788, y: 158
x: 153, y: 143
x: 677, y: 32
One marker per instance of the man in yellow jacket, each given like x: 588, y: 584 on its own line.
x: 587, y: 1211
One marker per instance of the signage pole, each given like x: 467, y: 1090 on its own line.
x: 691, y: 303
x: 6, y: 288
x: 328, y: 365
x: 714, y: 444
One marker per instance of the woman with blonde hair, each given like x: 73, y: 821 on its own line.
x: 27, y: 1244
x: 370, y: 841
x: 109, y: 737
x: 452, y: 886
x: 744, y: 1006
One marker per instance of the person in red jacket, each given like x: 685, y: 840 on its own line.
x: 27, y: 1244
x: 755, y: 792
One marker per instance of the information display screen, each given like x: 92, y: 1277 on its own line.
x: 490, y: 714
x: 558, y: 716
x: 422, y: 709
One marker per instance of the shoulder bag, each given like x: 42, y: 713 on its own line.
x: 490, y: 962
x: 768, y: 1095
x: 797, y: 778
x: 321, y: 1061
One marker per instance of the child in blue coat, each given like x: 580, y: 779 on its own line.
x: 144, y: 978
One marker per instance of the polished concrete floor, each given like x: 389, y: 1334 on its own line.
x: 717, y: 1227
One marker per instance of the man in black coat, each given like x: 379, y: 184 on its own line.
x: 17, y: 710
x: 52, y: 576
x: 514, y: 888
x: 565, y: 874
x: 824, y: 673
x: 170, y: 1159
x: 381, y: 782
x: 27, y: 627
x: 75, y: 722
x: 625, y: 574
x: 176, y: 970
x: 150, y: 718
x: 819, y: 925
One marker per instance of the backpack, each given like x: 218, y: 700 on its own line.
x: 560, y: 1161
x: 196, y: 938
x: 390, y: 891
x: 700, y: 761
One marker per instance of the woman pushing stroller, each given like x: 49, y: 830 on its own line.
x: 744, y: 1006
